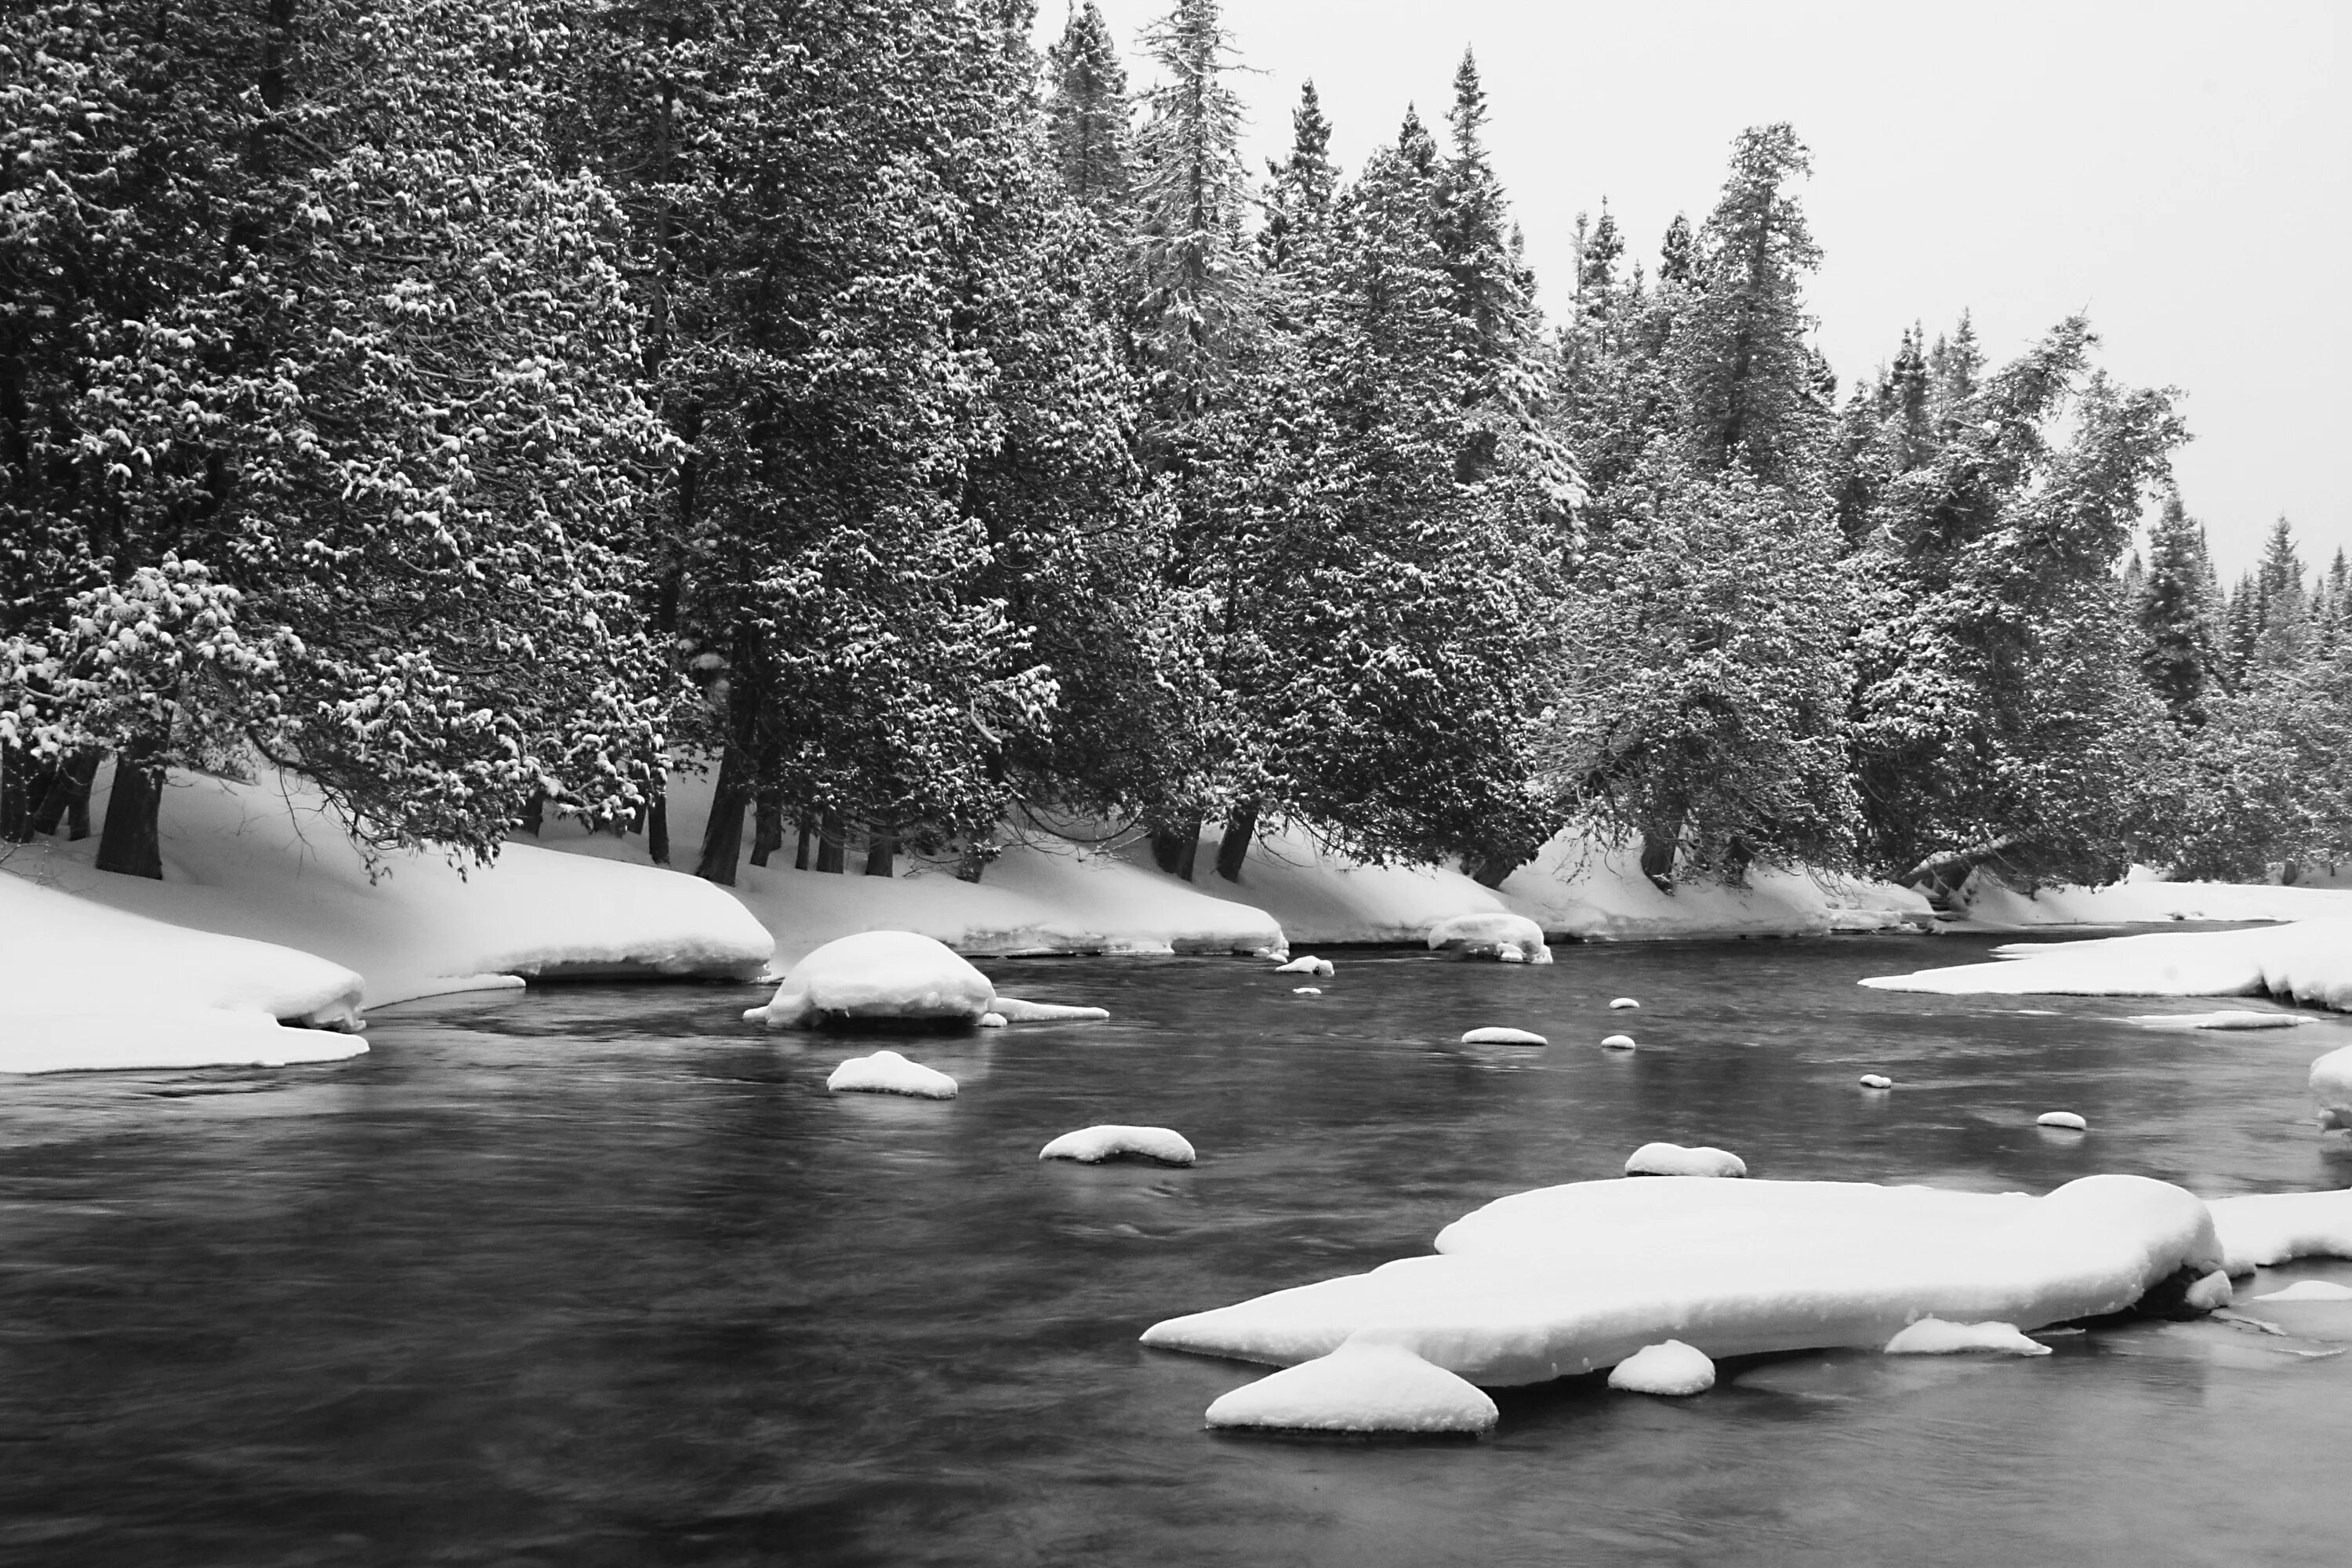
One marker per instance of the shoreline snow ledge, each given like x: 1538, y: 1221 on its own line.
x: 2267, y: 1228
x: 85, y: 988
x: 1563, y: 1280
x: 1506, y: 937
x: 2308, y: 962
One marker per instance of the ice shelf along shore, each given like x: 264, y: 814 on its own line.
x: 2309, y: 961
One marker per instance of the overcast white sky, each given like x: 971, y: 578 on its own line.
x: 2179, y: 170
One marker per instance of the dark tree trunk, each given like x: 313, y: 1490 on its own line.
x: 1175, y: 847
x: 1490, y: 868
x: 768, y: 834
x: 881, y: 852
x: 19, y: 780
x: 972, y: 863
x: 1658, y: 859
x: 829, y: 845
x: 534, y: 814
x: 1241, y: 831
x: 801, y: 850
x: 722, y: 837
x: 68, y: 798
x: 658, y: 824
x: 132, y: 840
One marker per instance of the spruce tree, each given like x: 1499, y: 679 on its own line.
x: 2175, y: 618
x: 1299, y: 187
x: 1087, y: 116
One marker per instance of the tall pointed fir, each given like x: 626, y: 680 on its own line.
x: 2175, y: 620
x: 1299, y: 187
x: 1087, y: 116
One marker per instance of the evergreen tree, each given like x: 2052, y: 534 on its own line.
x: 1087, y: 116
x: 1191, y: 194
x: 2175, y: 618
x: 1299, y: 188
x: 1678, y: 256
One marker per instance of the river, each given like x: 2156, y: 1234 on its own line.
x: 599, y: 1275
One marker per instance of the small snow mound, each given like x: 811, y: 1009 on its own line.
x: 2209, y: 1294
x: 2308, y: 1291
x: 1935, y: 1336
x: 1618, y: 1043
x: 1500, y: 935
x: 2066, y: 1119
x: 1364, y: 1385
x: 1674, y: 1160
x: 1015, y: 1010
x: 1624, y: 1001
x: 2331, y: 1085
x: 887, y: 1072
x: 1306, y: 963
x: 2223, y: 1020
x: 1093, y: 1145
x: 2264, y: 1228
x: 1671, y: 1368
x: 1497, y: 1036
x: 879, y: 977
x: 1875, y: 1080
x: 992, y: 1020
x: 1306, y: 991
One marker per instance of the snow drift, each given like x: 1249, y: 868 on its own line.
x: 880, y: 978
x: 2308, y: 962
x: 2331, y: 1085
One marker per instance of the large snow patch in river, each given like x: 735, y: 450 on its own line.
x: 1563, y: 1280
x: 879, y: 977
x: 2308, y: 962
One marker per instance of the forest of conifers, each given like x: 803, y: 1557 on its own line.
x: 479, y: 411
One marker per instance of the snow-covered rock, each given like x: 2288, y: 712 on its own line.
x: 2208, y: 1294
x: 88, y: 988
x: 1363, y: 1385
x: 2309, y: 1290
x: 1624, y: 1001
x: 2066, y: 1119
x: 1015, y: 1010
x: 1671, y: 1368
x: 1618, y: 1043
x: 887, y: 1072
x: 1306, y: 964
x: 1306, y: 991
x: 1567, y: 1279
x: 2239, y: 1020
x: 2267, y: 1228
x: 2309, y: 961
x: 893, y: 978
x: 1512, y: 939
x: 1093, y: 1145
x: 1935, y: 1336
x: 994, y: 1021
x: 1875, y: 1080
x: 2331, y: 1086
x: 1674, y: 1160
x: 1501, y: 1036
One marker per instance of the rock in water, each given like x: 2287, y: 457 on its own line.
x: 1500, y: 935
x: 1933, y: 1336
x: 1015, y: 1010
x: 1876, y: 1080
x: 2331, y: 1086
x: 889, y: 979
x: 1503, y: 1038
x: 1306, y: 963
x: 1364, y: 1385
x: 887, y: 1072
x: 1624, y: 1001
x: 1672, y: 1368
x: 1618, y: 1043
x: 2066, y: 1119
x: 1674, y: 1160
x: 1093, y: 1145
x: 992, y: 1020
x: 1306, y: 991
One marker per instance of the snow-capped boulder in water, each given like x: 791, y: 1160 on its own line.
x: 1499, y: 1037
x: 887, y: 1072
x: 1875, y: 1080
x: 1306, y: 964
x: 1093, y: 1145
x: 887, y: 979
x: 2331, y: 1085
x: 1508, y: 938
x: 1618, y: 1043
x: 2267, y: 1228
x: 1623, y: 1002
x: 1671, y: 1368
x: 1015, y: 1010
x: 1362, y: 1385
x: 1306, y: 991
x: 1674, y: 1160
x: 1933, y: 1336
x: 992, y: 1020
x: 1568, y: 1280
x: 2065, y: 1121
x: 2232, y: 1019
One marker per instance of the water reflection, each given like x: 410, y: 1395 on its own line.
x: 603, y: 1276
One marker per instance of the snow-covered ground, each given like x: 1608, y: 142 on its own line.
x: 1989, y: 905
x: 2308, y: 962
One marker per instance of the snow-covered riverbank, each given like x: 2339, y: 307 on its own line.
x: 2308, y: 962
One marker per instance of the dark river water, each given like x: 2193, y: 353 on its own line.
x: 603, y: 1276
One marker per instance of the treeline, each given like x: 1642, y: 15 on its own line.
x: 475, y: 409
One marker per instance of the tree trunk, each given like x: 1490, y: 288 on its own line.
x: 132, y: 840
x: 658, y: 824
x: 829, y: 844
x: 881, y: 851
x: 68, y: 798
x: 19, y: 779
x: 1490, y: 868
x: 801, y: 850
x: 1241, y: 831
x: 768, y: 834
x: 1941, y: 877
x: 722, y: 837
x: 1658, y: 859
x: 534, y: 814
x: 1175, y: 847
x: 973, y: 862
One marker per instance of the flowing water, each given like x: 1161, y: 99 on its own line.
x: 602, y: 1276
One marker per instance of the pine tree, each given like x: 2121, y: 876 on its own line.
x: 1678, y: 256
x: 2175, y: 619
x: 1300, y: 187
x: 1191, y: 194
x: 1087, y: 116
